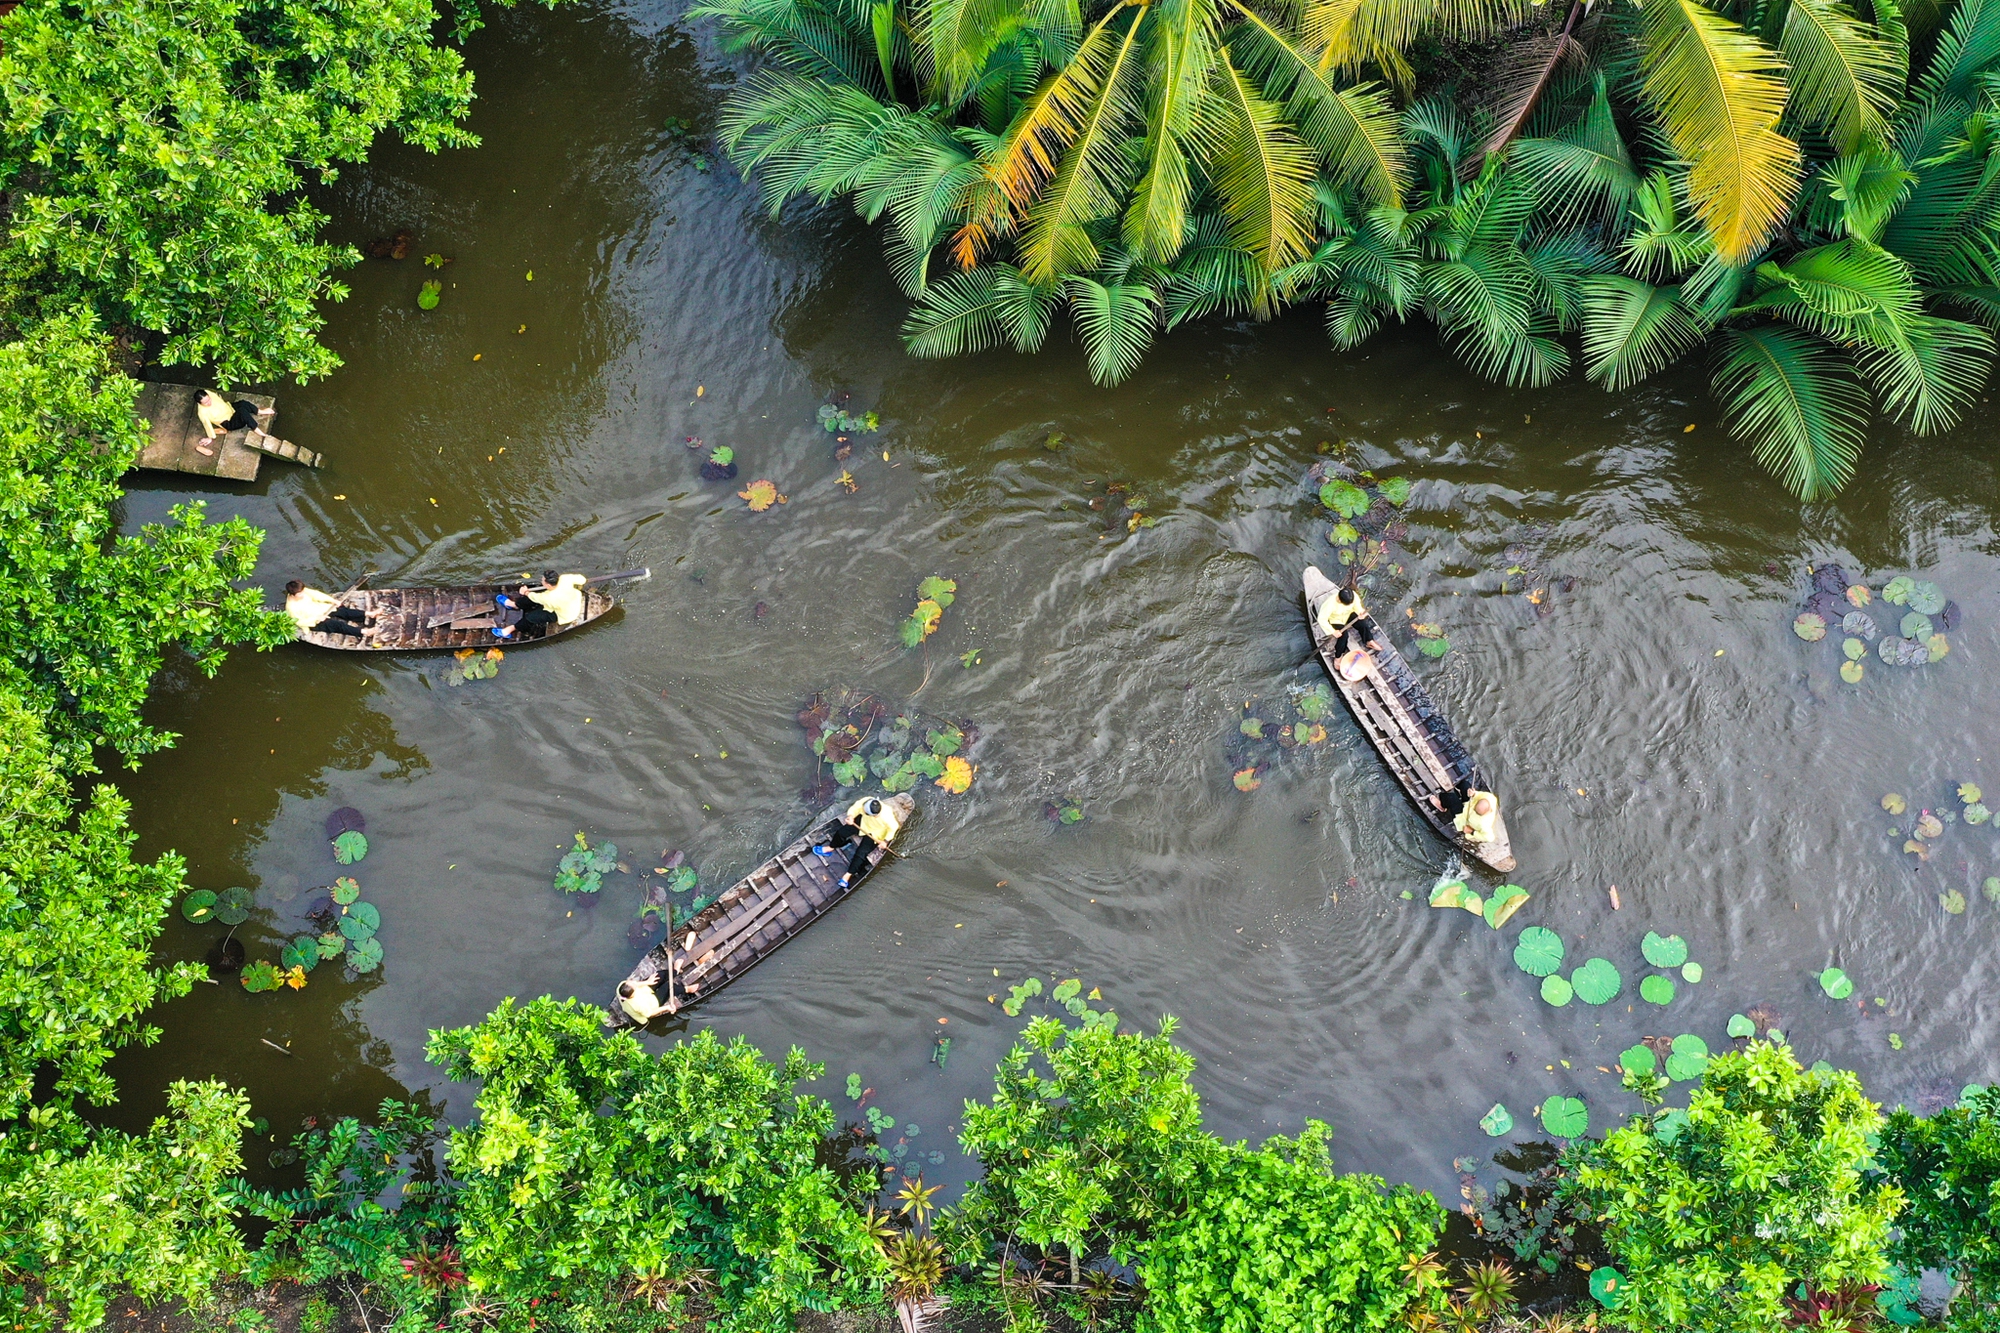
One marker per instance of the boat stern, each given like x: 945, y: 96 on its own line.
x: 904, y: 805
x: 1497, y: 854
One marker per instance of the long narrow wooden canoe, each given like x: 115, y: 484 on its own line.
x: 410, y: 619
x: 751, y: 918
x: 1405, y: 725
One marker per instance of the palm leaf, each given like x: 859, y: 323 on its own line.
x: 1214, y: 273
x: 1262, y: 172
x: 1927, y: 369
x: 1584, y: 169
x: 1526, y: 74
x: 799, y: 35
x: 1968, y: 47
x: 970, y: 312
x: 1845, y: 80
x: 1658, y: 246
x: 1179, y: 63
x: 1800, y: 408
x: 1863, y: 190
x: 958, y: 35
x: 1718, y: 92
x: 1632, y: 329
x: 1116, y: 322
x: 1350, y: 34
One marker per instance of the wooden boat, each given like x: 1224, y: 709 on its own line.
x: 460, y: 616
x: 1406, y: 726
x: 751, y: 918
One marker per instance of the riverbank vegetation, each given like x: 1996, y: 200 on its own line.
x: 1802, y: 192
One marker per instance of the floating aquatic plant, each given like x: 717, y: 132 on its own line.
x: 1538, y: 951
x: 583, y: 867
x: 1656, y: 990
x: 1689, y: 1058
x: 1566, y: 1117
x: 760, y: 494
x: 1952, y: 901
x: 934, y: 594
x: 359, y: 921
x: 260, y: 976
x: 429, y: 294
x: 1556, y: 991
x: 474, y: 665
x: 1836, y: 983
x: 350, y: 847
x: 1502, y: 903
x: 345, y: 890
x: 836, y: 421
x: 1597, y: 982
x: 1741, y: 1026
x: 232, y: 906
x: 199, y: 906
x: 1809, y: 627
x: 1639, y: 1059
x: 1691, y: 973
x: 302, y: 952
x: 365, y: 955
x: 1497, y: 1121
x: 1664, y: 950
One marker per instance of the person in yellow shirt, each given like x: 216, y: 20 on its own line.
x: 641, y: 999
x: 871, y: 822
x: 562, y: 596
x: 1339, y: 611
x: 1475, y: 818
x: 320, y: 612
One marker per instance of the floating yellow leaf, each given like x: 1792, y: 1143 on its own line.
x: 464, y: 653
x: 957, y: 775
x: 760, y: 494
x: 1246, y: 779
x: 296, y: 978
x: 846, y: 479
x: 929, y: 613
x: 494, y: 654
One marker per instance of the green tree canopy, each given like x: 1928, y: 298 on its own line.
x: 1948, y: 1167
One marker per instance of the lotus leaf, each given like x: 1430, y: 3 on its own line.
x: 1898, y: 1299
x: 1066, y: 991
x: 350, y: 847
x: 1497, y: 1121
x: 1656, y: 990
x: 1851, y: 672
x: 1639, y: 1059
x: 1302, y: 732
x: 1344, y: 498
x: 366, y: 955
x: 429, y: 294
x: 1246, y: 779
x: 944, y: 742
x: 722, y: 455
x: 1926, y: 597
x: 1566, y: 1117
x: 1396, y: 490
x: 1691, y: 973
x: 1473, y: 903
x: 1253, y: 727
x: 1607, y: 1284
x: 1316, y: 703
x: 759, y: 495
x: 1853, y: 649
x: 1556, y: 991
x: 1342, y: 534
x: 345, y: 890
x: 1922, y: 851
x: 1809, y: 627
x: 1915, y: 625
x: 851, y: 772
x: 199, y: 906
x: 1539, y: 951
x: 260, y: 976
x: 1929, y: 826
x: 1953, y: 902
x: 1894, y: 803
x: 1741, y: 1026
x: 1503, y: 903
x: 1860, y: 626
x: 232, y: 906
x: 1775, y: 1036
x: 1969, y: 793
x: 1688, y: 1058
x: 1690, y: 1045
x: 935, y: 589
x: 683, y: 878
x: 1897, y: 591
x: 1858, y: 594
x: 1991, y: 888
x: 1597, y: 982
x: 360, y: 921
x: 957, y: 776
x: 1437, y: 647
x: 343, y: 819
x: 1449, y: 893
x: 1936, y: 647
x: 303, y: 952
x: 332, y: 944
x: 1836, y: 983
x: 1664, y: 950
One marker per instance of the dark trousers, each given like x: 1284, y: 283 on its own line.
x: 342, y: 620
x: 839, y: 834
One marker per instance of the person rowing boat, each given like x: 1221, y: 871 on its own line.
x: 871, y: 822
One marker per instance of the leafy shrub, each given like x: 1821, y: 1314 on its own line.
x: 1721, y: 1213
x: 596, y: 1167
x: 1274, y: 1239
x: 1948, y: 1167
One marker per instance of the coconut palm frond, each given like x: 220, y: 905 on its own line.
x: 1116, y: 321
x: 811, y: 137
x: 1845, y: 79
x: 1718, y: 92
x: 1214, y: 273
x: 1632, y: 329
x: 1351, y: 34
x: 1659, y: 246
x: 970, y: 312
x: 957, y: 36
x: 1353, y: 130
x: 1584, y: 171
x: 1927, y: 369
x: 1518, y: 87
x: 1967, y: 48
x: 1263, y: 172
x: 1863, y: 190
x: 1798, y: 405
x: 799, y: 35
x: 1559, y: 263
x: 1181, y: 57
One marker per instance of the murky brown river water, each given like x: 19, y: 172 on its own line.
x: 1652, y: 724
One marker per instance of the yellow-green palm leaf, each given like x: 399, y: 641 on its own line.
x: 1264, y: 173
x: 1352, y: 33
x: 1717, y: 93
x: 1181, y: 59
x: 1845, y: 78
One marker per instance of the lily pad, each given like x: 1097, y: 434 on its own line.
x: 851, y: 772
x: 1566, y: 1117
x: 1991, y: 888
x: 1859, y: 595
x: 360, y: 921
x: 350, y: 847
x: 1860, y: 626
x: 1437, y: 647
x: 261, y: 976
x: 1953, y: 902
x: 760, y: 494
x: 343, y: 819
x: 1915, y: 625
x: 1977, y: 813
x: 199, y: 906
x: 1741, y: 1026
x: 1607, y: 1284
x: 1854, y: 649
x: 939, y: 590
x: 1657, y: 990
x: 1344, y: 498
x: 1639, y: 1059
x: 1809, y: 627
x: 1668, y: 1125
x: 1894, y: 803
x: 1969, y: 793
x: 1935, y: 647
x: 1497, y: 1121
x: 1253, y: 727
x: 1836, y: 983
x: 1539, y: 951
x: 1688, y: 1058
x: 1342, y: 533
x: 1929, y: 826
x: 1597, y: 982
x: 366, y: 955
x: 957, y: 776
x: 1897, y: 591
x: 1556, y: 992
x: 301, y: 952
x: 1449, y: 893
x: 345, y: 890
x: 1851, y: 672
x: 1691, y: 973
x: 332, y: 944
x: 1926, y: 597
x: 1664, y: 950
x: 1503, y: 903
x: 1396, y: 490
x: 232, y: 906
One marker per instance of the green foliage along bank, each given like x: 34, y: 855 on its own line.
x: 1803, y: 192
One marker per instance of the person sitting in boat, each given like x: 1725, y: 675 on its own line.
x: 641, y: 1000
x: 321, y: 613
x: 1475, y: 816
x: 870, y: 823
x: 1339, y: 611
x: 561, y: 597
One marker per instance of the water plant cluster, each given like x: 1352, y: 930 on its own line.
x: 934, y: 594
x: 1266, y: 732
x: 1922, y: 618
x: 858, y: 739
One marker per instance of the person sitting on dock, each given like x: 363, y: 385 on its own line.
x: 641, y: 1000
x: 870, y: 823
x: 219, y: 416
x: 317, y: 612
x: 1475, y: 817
